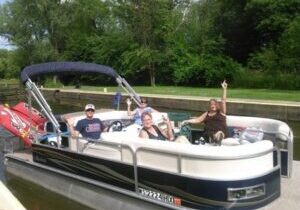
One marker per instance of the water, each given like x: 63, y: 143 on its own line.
x: 34, y: 197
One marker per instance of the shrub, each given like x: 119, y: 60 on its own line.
x: 207, y: 70
x: 52, y: 83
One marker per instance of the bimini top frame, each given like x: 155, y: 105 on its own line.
x: 67, y: 67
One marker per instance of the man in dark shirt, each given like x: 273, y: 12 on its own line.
x: 88, y: 127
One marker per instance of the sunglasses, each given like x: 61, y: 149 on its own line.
x: 90, y: 110
x: 143, y: 102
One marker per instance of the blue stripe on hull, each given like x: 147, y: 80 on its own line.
x: 106, y: 171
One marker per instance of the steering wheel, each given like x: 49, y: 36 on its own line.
x: 115, y: 126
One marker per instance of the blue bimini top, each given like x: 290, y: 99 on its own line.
x: 65, y: 67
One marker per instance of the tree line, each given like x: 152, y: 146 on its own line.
x: 251, y: 43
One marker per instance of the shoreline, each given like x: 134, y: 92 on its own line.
x: 281, y: 110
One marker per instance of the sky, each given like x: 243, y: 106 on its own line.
x: 3, y: 42
x: 2, y: 1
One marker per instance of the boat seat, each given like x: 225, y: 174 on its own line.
x: 195, y: 160
x: 104, y: 151
x: 230, y: 142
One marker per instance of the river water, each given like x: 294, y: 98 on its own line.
x: 34, y: 197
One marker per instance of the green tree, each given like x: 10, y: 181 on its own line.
x: 197, y: 48
x: 278, y: 25
x: 147, y: 23
x: 8, y: 68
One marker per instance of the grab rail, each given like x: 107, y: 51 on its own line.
x: 124, y: 84
x: 118, y: 145
x: 290, y: 148
x: 35, y: 92
x: 179, y: 155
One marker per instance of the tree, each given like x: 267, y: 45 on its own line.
x: 149, y: 27
x: 8, y: 69
x: 196, y: 51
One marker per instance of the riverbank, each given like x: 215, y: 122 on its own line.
x: 282, y: 110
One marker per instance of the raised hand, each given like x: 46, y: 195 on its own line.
x: 70, y: 121
x: 128, y: 101
x: 165, y: 119
x: 224, y: 84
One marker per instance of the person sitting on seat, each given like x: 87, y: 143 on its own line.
x: 139, y: 111
x: 151, y: 131
x: 88, y: 127
x: 215, y: 128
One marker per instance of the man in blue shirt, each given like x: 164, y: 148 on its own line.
x: 88, y: 127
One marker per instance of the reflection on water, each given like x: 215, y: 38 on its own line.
x: 32, y: 196
x: 35, y: 197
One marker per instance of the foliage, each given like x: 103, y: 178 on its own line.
x: 205, y: 71
x: 50, y: 83
x: 181, y: 42
x: 197, y: 58
x: 271, y: 17
x: 8, y: 69
x: 283, y: 57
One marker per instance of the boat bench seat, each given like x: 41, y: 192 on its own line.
x: 187, y: 159
x: 195, y: 160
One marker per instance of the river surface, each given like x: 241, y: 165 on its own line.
x: 34, y: 197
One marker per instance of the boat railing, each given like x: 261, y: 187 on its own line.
x: 285, y: 147
x: 285, y: 144
x: 179, y: 155
x: 130, y: 91
x: 135, y: 153
x: 118, y: 146
x: 39, y: 98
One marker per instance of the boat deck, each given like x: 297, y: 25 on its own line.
x: 24, y: 155
x: 290, y: 188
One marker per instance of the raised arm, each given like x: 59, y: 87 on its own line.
x: 224, y: 96
x: 169, y: 132
x: 70, y: 123
x: 199, y: 119
x: 129, y: 112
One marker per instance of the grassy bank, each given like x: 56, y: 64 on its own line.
x: 6, y: 82
x: 261, y: 94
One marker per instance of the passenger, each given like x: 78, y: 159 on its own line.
x: 215, y: 128
x: 151, y: 131
x: 88, y: 127
x: 139, y: 111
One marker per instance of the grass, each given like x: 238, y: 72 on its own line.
x: 9, y: 82
x: 260, y: 94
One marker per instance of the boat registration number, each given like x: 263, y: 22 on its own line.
x: 160, y: 196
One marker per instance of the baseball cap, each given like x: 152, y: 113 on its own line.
x: 89, y: 106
